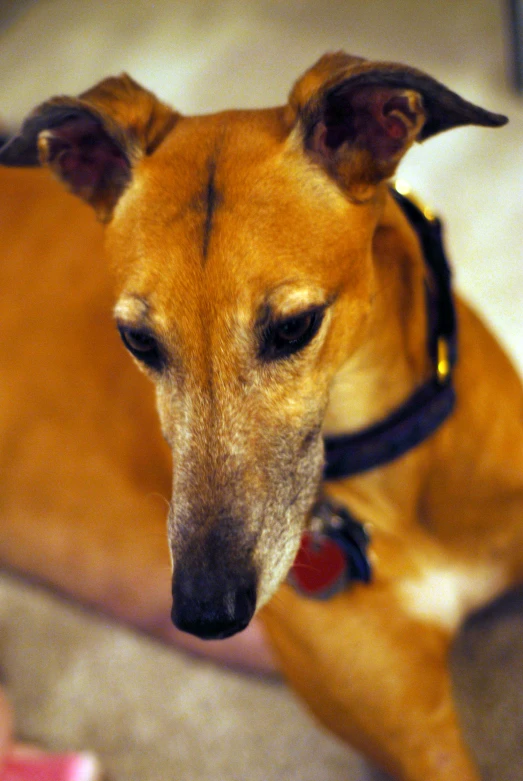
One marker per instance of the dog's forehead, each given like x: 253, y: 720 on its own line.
x: 210, y: 156
x: 231, y: 203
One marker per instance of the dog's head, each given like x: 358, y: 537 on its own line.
x: 241, y: 245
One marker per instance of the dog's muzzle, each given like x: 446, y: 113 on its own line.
x: 213, y: 605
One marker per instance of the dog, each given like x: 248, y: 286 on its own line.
x: 330, y: 406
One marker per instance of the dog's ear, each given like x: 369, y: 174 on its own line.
x: 92, y: 142
x: 358, y: 118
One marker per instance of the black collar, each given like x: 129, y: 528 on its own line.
x: 429, y: 406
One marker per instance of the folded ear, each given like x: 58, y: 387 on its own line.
x: 358, y: 118
x: 92, y: 142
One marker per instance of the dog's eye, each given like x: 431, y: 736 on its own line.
x: 285, y: 337
x: 143, y: 345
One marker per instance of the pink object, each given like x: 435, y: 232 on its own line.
x: 50, y: 767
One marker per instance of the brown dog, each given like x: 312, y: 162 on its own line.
x: 275, y: 291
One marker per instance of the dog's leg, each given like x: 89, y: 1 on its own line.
x: 375, y: 674
x: 384, y: 685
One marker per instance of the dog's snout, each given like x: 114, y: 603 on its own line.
x: 212, y: 607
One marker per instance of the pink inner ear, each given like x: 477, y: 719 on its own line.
x: 85, y: 156
x: 396, y: 126
x: 382, y: 120
x: 371, y: 117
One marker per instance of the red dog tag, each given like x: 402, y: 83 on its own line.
x: 320, y: 568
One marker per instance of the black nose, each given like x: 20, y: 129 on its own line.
x: 211, y: 606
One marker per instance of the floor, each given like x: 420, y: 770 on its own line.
x: 152, y: 714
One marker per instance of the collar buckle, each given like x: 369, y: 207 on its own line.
x: 443, y: 363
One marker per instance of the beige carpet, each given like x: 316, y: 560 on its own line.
x: 77, y: 680
x: 153, y: 714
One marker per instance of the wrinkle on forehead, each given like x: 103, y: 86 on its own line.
x: 211, y: 199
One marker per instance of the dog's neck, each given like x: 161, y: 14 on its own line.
x: 392, y: 359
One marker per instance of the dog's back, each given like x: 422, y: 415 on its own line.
x: 85, y: 472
